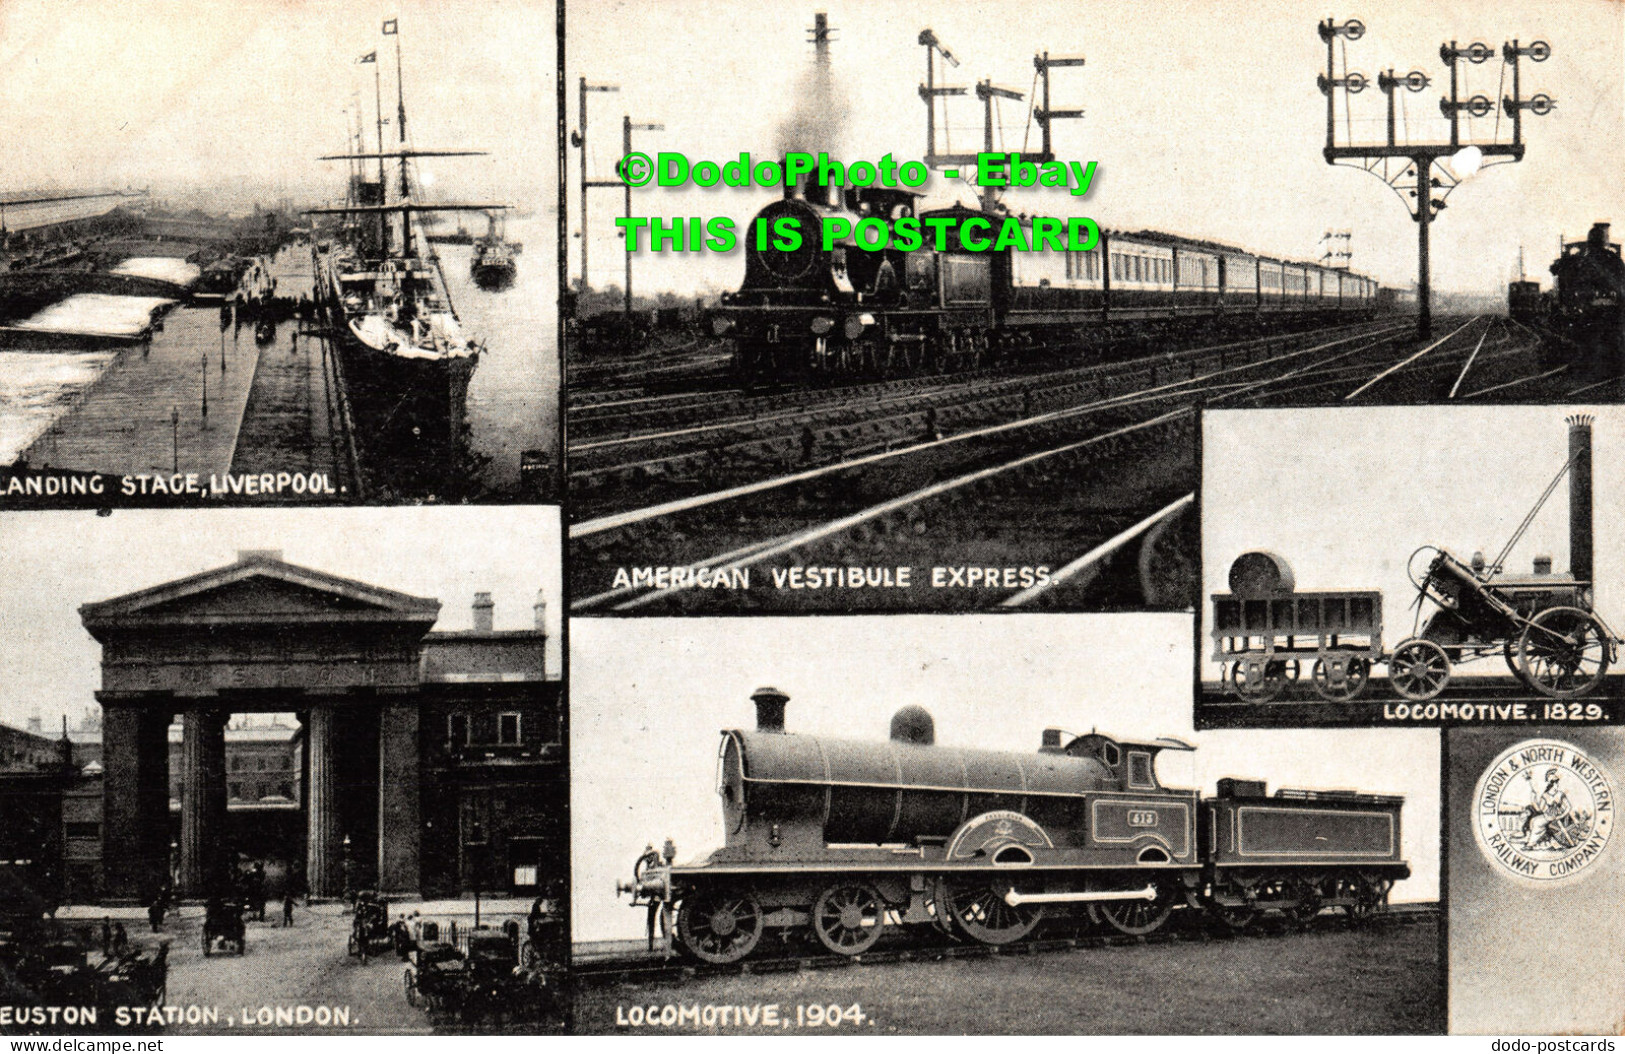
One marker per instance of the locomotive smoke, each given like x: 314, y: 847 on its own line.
x: 819, y: 117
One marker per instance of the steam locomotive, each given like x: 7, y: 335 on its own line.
x: 846, y: 839
x: 1587, y: 306
x: 847, y: 310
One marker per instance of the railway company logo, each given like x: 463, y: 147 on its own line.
x: 1544, y: 812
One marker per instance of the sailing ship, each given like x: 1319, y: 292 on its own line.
x: 492, y: 263
x: 405, y: 358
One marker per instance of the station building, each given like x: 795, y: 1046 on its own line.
x: 384, y: 755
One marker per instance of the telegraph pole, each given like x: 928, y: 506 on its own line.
x: 1433, y: 166
x: 578, y: 138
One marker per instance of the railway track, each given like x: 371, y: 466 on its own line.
x: 652, y: 969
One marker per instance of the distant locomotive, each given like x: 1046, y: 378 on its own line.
x: 1526, y: 303
x: 848, y: 310
x: 846, y: 838
x: 1588, y: 303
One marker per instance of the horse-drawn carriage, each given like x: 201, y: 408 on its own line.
x: 370, y: 931
x: 223, y: 928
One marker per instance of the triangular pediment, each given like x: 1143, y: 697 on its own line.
x: 262, y: 595
x: 261, y: 591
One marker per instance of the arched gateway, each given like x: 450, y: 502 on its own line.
x: 392, y: 800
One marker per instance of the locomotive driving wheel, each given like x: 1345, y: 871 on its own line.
x: 976, y: 908
x: 1355, y: 674
x: 1134, y: 917
x: 849, y: 918
x: 1563, y: 652
x: 1419, y: 669
x: 720, y: 925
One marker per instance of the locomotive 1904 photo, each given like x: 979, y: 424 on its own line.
x: 845, y: 839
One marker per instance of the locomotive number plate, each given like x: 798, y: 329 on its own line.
x: 1142, y: 817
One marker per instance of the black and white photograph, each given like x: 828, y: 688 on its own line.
x: 535, y: 519
x: 953, y: 365
x: 263, y: 252
x: 283, y: 770
x: 1405, y: 565
x: 999, y: 824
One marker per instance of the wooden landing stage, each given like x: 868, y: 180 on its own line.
x: 1464, y: 701
x: 271, y: 408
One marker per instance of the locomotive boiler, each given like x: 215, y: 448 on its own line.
x: 846, y: 310
x: 844, y: 839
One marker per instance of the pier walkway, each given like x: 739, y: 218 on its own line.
x: 272, y: 408
x: 146, y: 413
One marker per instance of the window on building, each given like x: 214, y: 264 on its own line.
x: 1139, y: 770
x: 457, y: 729
x: 236, y: 790
x: 508, y: 729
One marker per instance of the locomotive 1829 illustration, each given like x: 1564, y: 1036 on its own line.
x: 846, y: 838
x: 1543, y: 624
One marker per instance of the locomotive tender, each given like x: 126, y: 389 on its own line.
x: 849, y: 310
x: 847, y: 838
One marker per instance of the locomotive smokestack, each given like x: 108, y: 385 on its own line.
x: 769, y: 709
x: 1580, y: 497
x: 913, y: 724
x: 1599, y: 236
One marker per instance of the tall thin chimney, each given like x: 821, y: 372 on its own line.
x: 483, y: 609
x: 769, y: 709
x: 540, y: 608
x: 1580, y: 563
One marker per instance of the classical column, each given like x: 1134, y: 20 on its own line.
x: 135, y: 800
x: 203, y: 801
x: 399, y: 817
x: 324, y: 842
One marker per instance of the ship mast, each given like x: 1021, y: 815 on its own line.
x: 392, y: 29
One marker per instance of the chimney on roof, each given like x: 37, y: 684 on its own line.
x: 259, y: 556
x: 483, y: 609
x: 540, y: 608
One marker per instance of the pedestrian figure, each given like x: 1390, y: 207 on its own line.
x: 121, y: 939
x: 155, y: 913
x: 287, y: 908
x: 107, y: 933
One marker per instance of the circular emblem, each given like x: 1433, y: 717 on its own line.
x: 1544, y: 812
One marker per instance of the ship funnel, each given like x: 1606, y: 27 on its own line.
x: 1580, y: 551
x: 769, y: 709
x: 913, y: 724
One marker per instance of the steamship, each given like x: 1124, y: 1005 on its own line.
x: 406, y: 360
